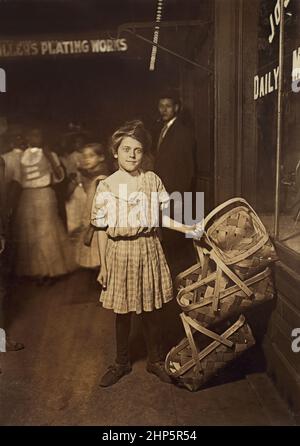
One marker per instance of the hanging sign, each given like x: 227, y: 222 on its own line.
x: 63, y: 47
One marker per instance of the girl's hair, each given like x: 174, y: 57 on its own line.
x: 97, y: 147
x: 134, y: 129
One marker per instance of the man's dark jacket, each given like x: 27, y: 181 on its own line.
x: 174, y: 164
x: 174, y: 160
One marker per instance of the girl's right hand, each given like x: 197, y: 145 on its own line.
x: 103, y: 277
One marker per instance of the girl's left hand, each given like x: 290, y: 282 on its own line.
x: 193, y: 231
x: 103, y: 277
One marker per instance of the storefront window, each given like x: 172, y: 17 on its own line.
x: 289, y: 217
x: 266, y: 84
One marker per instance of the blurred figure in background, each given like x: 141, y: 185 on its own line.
x: 3, y: 132
x: 12, y: 156
x: 74, y: 198
x: 72, y: 142
x: 42, y: 249
x: 93, y: 167
x: 6, y: 344
x: 16, y: 144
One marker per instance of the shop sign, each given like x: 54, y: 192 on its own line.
x: 63, y: 47
x: 268, y: 82
x: 275, y: 18
x: 265, y: 84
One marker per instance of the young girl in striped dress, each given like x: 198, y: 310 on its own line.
x: 134, y: 274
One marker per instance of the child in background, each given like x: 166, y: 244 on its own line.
x: 74, y: 197
x: 93, y: 168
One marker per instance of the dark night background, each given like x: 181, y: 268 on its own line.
x: 99, y: 91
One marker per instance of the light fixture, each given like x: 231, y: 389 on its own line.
x: 159, y: 10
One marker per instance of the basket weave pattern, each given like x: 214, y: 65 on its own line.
x: 232, y: 275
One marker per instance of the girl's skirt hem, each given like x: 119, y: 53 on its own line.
x: 135, y: 310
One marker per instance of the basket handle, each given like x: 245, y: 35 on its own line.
x: 224, y: 205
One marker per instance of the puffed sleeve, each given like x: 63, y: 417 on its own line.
x: 99, y: 208
x: 163, y: 196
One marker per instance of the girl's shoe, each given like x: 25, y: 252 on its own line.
x: 114, y: 373
x: 158, y: 369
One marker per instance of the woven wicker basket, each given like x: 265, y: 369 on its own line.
x: 231, y: 276
x: 198, y: 303
x: 238, y: 237
x: 181, y: 365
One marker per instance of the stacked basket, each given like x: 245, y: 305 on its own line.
x: 231, y: 276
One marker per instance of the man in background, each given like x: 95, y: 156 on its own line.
x: 175, y: 146
x: 174, y: 164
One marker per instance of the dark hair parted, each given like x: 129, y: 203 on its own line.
x: 135, y: 129
x: 170, y: 94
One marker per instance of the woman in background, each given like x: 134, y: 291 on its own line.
x: 42, y: 249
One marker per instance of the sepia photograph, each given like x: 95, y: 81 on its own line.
x: 149, y: 216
